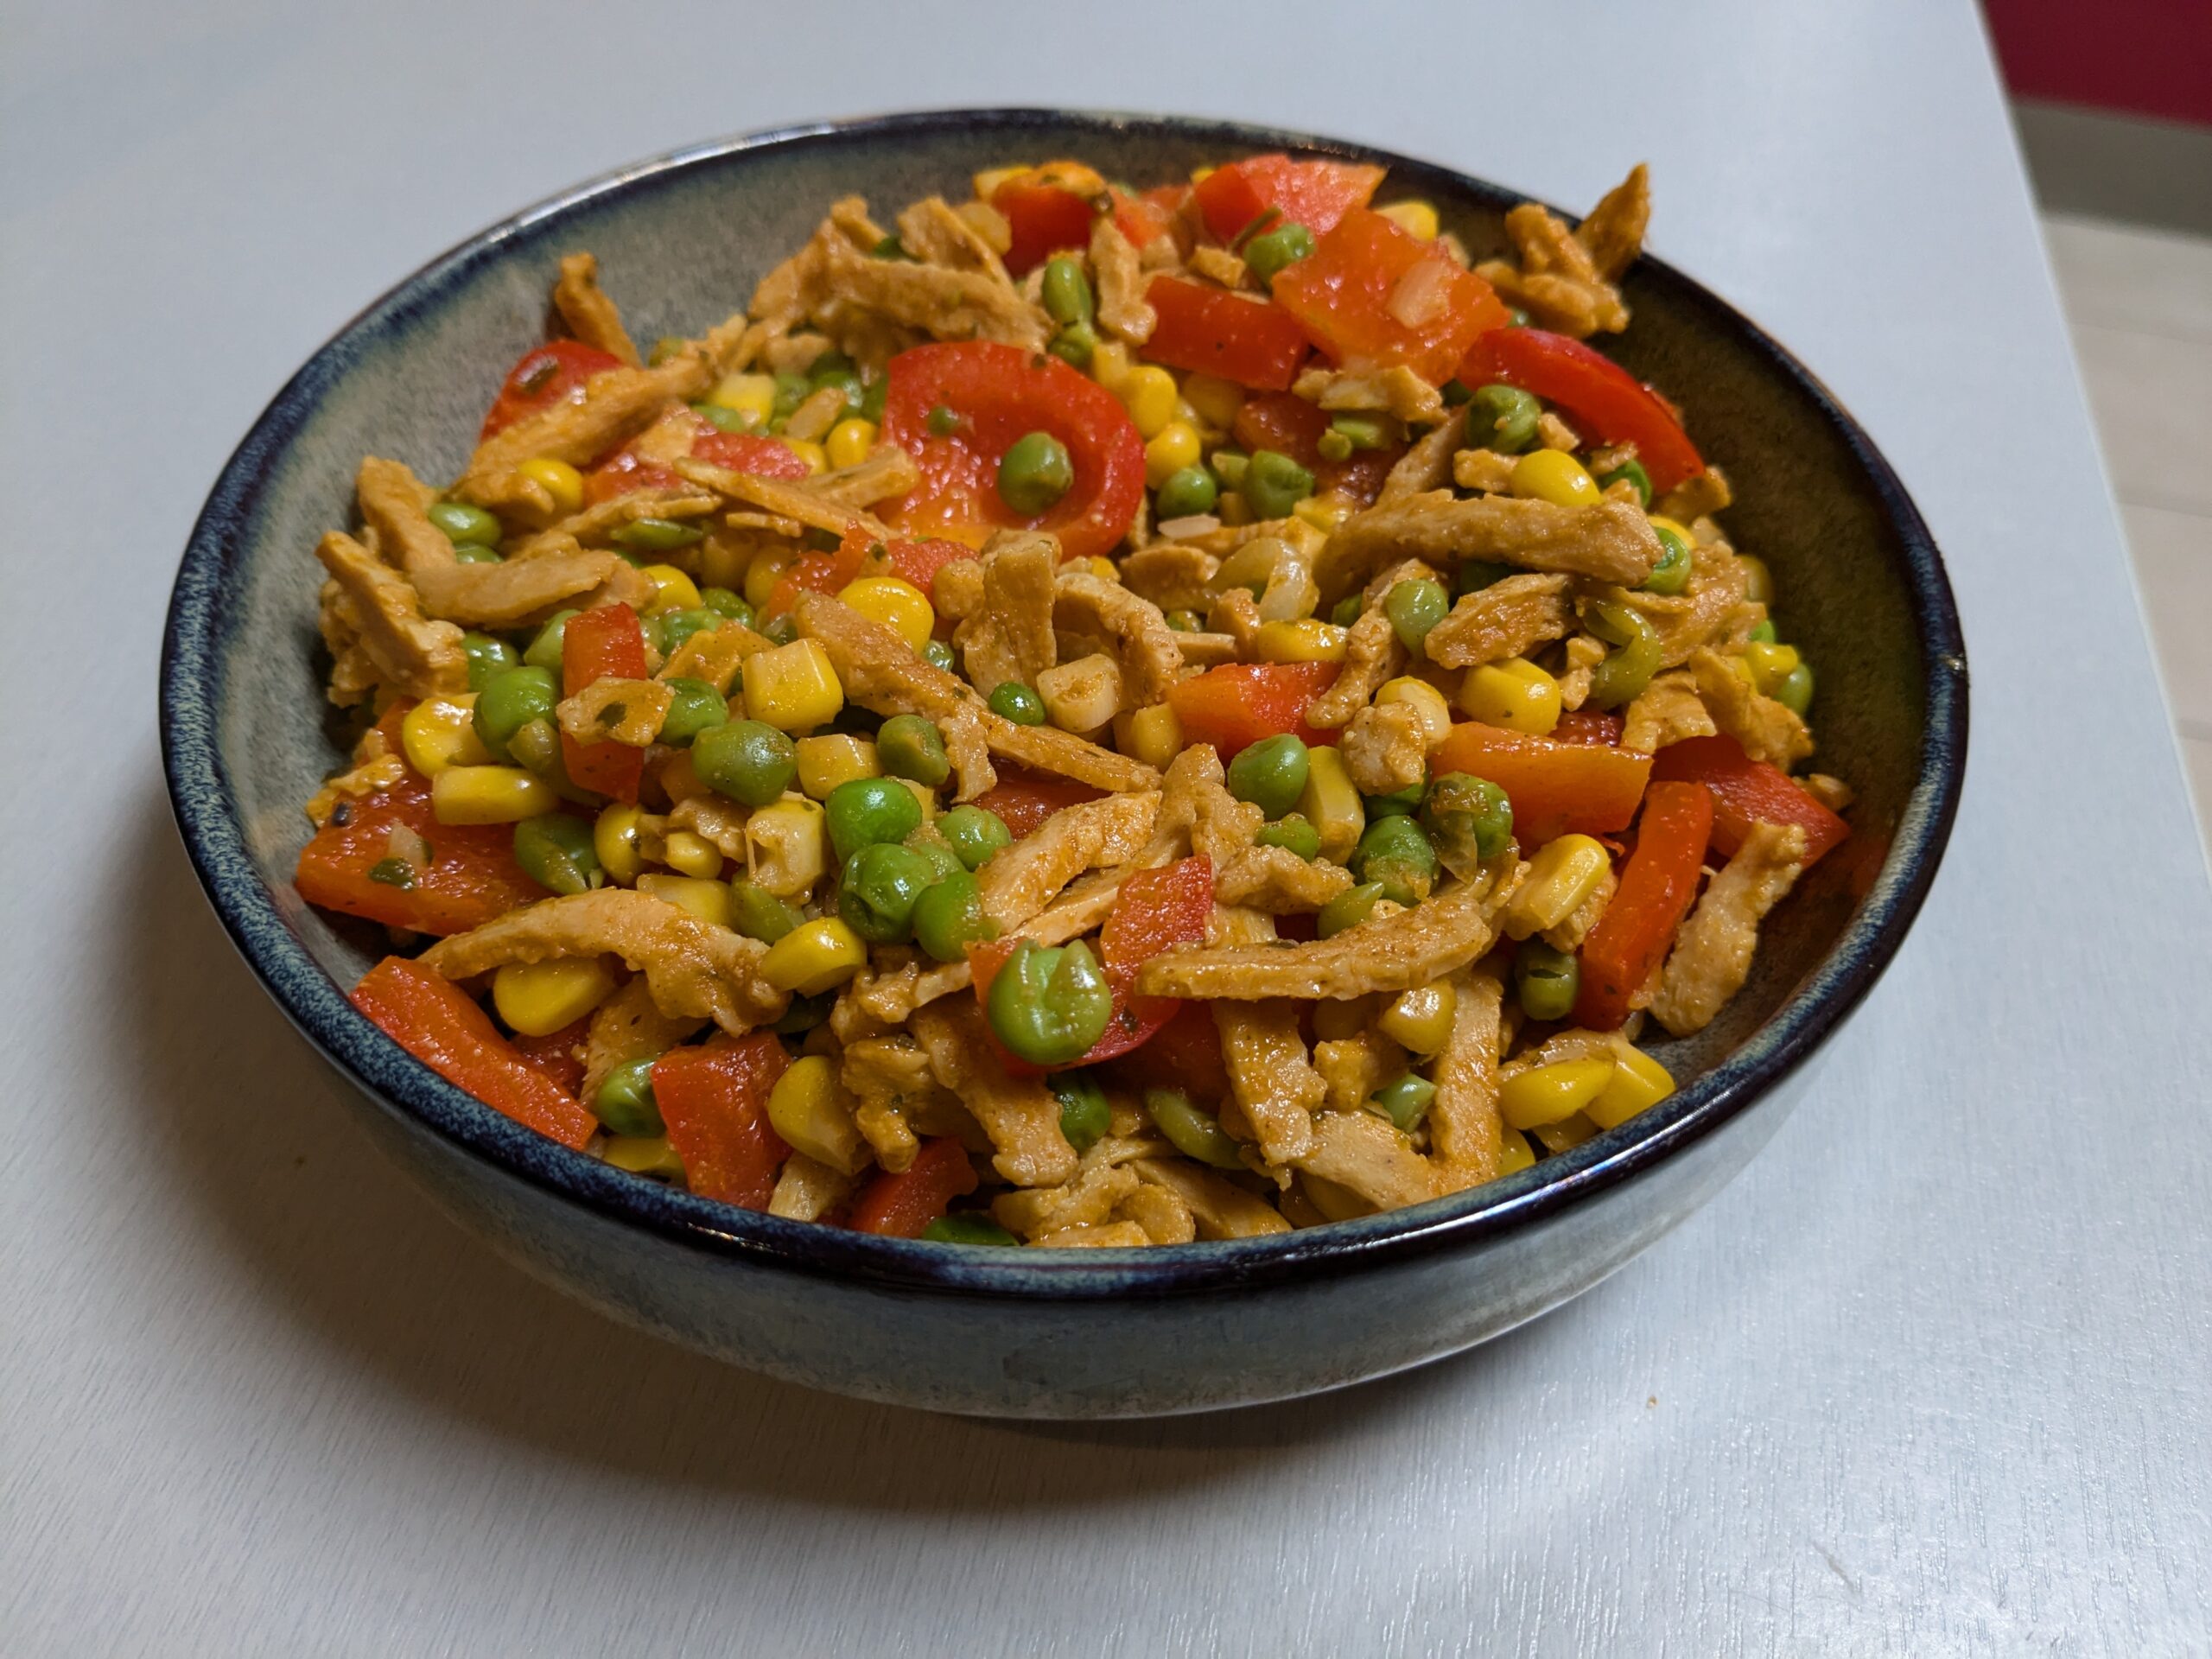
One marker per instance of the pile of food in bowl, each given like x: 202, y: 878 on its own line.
x: 1088, y: 716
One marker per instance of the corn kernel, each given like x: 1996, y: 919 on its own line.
x: 925, y: 798
x: 643, y: 1154
x: 1171, y: 448
x: 1639, y: 1082
x: 688, y: 853
x: 1149, y: 393
x: 900, y: 606
x: 1338, y: 1020
x: 1514, y: 694
x: 827, y: 761
x: 792, y: 687
x: 1326, y: 513
x: 1566, y: 1134
x: 1331, y: 802
x: 1081, y: 696
x: 1547, y: 1093
x: 1306, y: 640
x: 753, y: 395
x: 1419, y: 217
x: 1563, y: 873
x: 614, y: 838
x: 816, y: 457
x: 787, y: 846
x: 849, y: 441
x: 808, y: 1107
x: 539, y: 998
x: 813, y: 958
x: 1153, y: 735
x: 558, y: 479
x: 441, y: 732
x: 1516, y: 1153
x: 489, y: 795
x: 1770, y: 665
x: 1555, y: 476
x: 696, y: 895
x: 1103, y: 568
x: 768, y: 568
x: 1424, y: 699
x: 1660, y: 521
x: 1421, y: 1019
x: 987, y: 181
x: 1216, y: 400
x: 1759, y: 581
x: 1111, y: 365
x: 672, y: 589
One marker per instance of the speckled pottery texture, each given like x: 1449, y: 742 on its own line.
x: 1079, y: 1333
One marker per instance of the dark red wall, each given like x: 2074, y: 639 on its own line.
x: 2139, y: 57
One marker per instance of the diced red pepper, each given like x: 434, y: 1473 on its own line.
x: 1657, y: 884
x: 1556, y: 787
x: 1026, y: 800
x: 543, y: 378
x: 713, y: 1098
x: 1315, y: 193
x: 1747, y: 792
x: 558, y: 1056
x: 1588, y: 725
x: 1252, y: 342
x: 900, y: 1206
x: 1604, y: 400
x: 1239, y: 703
x: 628, y: 470
x: 1146, y: 218
x: 1373, y: 294
x: 441, y: 1025
x: 1185, y: 1053
x: 863, y: 555
x: 1284, y: 421
x: 603, y: 643
x: 1041, y: 218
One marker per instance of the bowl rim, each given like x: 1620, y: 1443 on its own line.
x: 195, y: 639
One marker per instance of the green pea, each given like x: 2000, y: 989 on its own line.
x: 891, y: 248
x: 974, y: 833
x: 1627, y: 670
x: 759, y: 914
x: 1035, y: 474
x: 1333, y: 445
x: 1348, y: 909
x: 1456, y: 392
x: 938, y: 655
x: 694, y: 706
x: 1270, y: 773
x: 881, y: 884
x: 1274, y: 484
x: 677, y: 626
x: 1012, y: 700
x: 1468, y: 819
x: 465, y: 525
x: 751, y: 763
x: 943, y: 860
x: 908, y: 745
x: 864, y: 811
x: 1795, y: 692
x: 1405, y: 1100
x: 625, y: 1102
x: 1502, y: 419
x: 1546, y: 980
x: 943, y: 421
x: 723, y: 418
x: 1066, y: 290
x: 1414, y: 608
x: 488, y: 657
x: 1188, y: 492
x: 473, y: 555
x: 1475, y: 575
x: 855, y: 389
x: 1346, y: 611
x: 1229, y: 466
x: 1633, y: 471
x: 1194, y: 1133
x: 1075, y: 345
x: 804, y: 1014
x: 1762, y: 631
x: 1396, y: 852
x: 832, y: 364
x: 1267, y: 255
x: 535, y: 747
x: 545, y: 650
x: 650, y: 627
x: 1672, y: 574
x: 872, y: 400
x: 1084, y: 1115
x: 555, y: 851
x: 655, y: 535
x: 1185, y: 622
x: 1361, y: 432
x: 1050, y: 1004
x: 1397, y: 802
x: 1294, y: 833
x: 949, y: 916
x: 510, y: 700
x: 725, y: 604
x: 791, y: 391
x: 967, y: 1230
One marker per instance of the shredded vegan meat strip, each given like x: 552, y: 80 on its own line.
x: 1362, y: 1151
x: 1510, y: 617
x: 1220, y: 1207
x: 410, y: 652
x: 945, y: 303
x: 1385, y: 749
x: 1397, y: 392
x: 1132, y: 628
x: 1611, y: 541
x: 1019, y: 881
x: 629, y: 1026
x: 1122, y: 310
x: 1270, y: 1076
x: 1767, y: 730
x: 628, y: 712
x: 1020, y: 1115
x: 591, y: 316
x: 615, y: 405
x: 1669, y: 710
x: 1712, y: 956
x: 1465, y: 1131
x: 888, y: 471
x: 1428, y: 465
x: 807, y: 1191
x: 1009, y: 637
x: 793, y: 501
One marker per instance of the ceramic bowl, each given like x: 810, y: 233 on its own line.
x: 681, y: 241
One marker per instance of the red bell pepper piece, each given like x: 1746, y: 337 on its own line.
x: 1373, y: 294
x: 471, y: 879
x: 1041, y: 218
x: 1606, y: 401
x: 1239, y: 703
x: 1315, y: 193
x: 440, y: 1025
x: 713, y: 1098
x: 1026, y: 800
x: 556, y: 1057
x: 1747, y: 792
x: 1657, y: 884
x: 998, y: 394
x: 862, y: 555
x: 1555, y: 788
x: 1588, y: 725
x: 543, y: 378
x: 605, y: 642
x: 1146, y: 218
x: 900, y: 1206
x: 1252, y: 342
x: 1288, y: 425
x: 1185, y: 1053
x: 628, y: 470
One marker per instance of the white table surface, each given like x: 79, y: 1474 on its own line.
x: 1932, y: 1377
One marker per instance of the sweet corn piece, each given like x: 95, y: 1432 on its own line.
x: 1424, y: 699
x: 849, y: 441
x: 489, y: 795
x: 808, y: 1108
x: 753, y: 395
x: 1566, y: 1134
x: 706, y: 899
x: 1563, y: 873
x: 615, y: 836
x: 827, y: 761
x: 1150, y: 395
x: 1770, y: 665
x: 1551, y: 1093
x: 987, y: 181
x: 643, y: 1154
x: 441, y: 732
x: 1555, y: 476
x: 787, y: 847
x: 1103, y: 568
x: 1421, y: 1019
x: 1419, y: 217
x: 1153, y: 735
x: 1326, y: 513
x: 1216, y: 400
x: 924, y: 796
x: 1331, y: 802
x: 1171, y: 448
x: 1111, y: 365
x: 1514, y: 694
x: 1081, y: 696
x: 1306, y: 640
x: 1517, y: 1154
x: 539, y: 998
x: 691, y: 854
x: 816, y: 457
x: 768, y: 568
x: 1759, y: 581
x: 899, y: 605
x: 672, y: 589
x: 814, y: 957
x: 1340, y: 1019
x: 558, y: 479
x: 792, y: 687
x: 1638, y: 1081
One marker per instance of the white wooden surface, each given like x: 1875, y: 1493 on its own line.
x: 1931, y: 1378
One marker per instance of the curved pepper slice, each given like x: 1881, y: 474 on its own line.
x: 713, y: 1098
x: 900, y: 1206
x: 1657, y: 884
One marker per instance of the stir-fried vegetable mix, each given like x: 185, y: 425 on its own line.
x: 1082, y: 716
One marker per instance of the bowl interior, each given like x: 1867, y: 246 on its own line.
x: 680, y: 247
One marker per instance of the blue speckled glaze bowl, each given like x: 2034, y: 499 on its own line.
x: 681, y: 241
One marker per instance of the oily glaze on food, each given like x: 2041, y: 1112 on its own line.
x: 1082, y: 717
